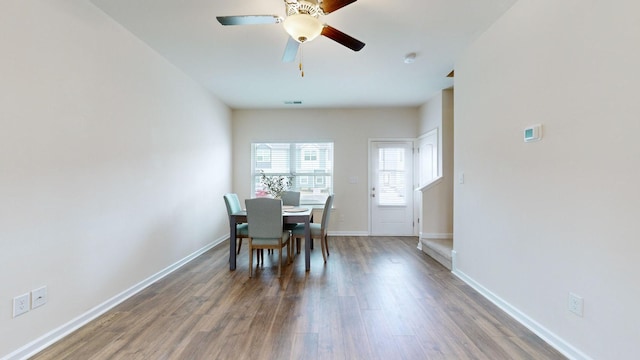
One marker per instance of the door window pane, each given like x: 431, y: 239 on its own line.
x: 391, y: 177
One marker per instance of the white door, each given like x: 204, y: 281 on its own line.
x: 391, y: 190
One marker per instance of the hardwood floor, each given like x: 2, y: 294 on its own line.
x: 376, y: 298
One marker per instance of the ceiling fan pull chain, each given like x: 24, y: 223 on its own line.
x: 300, y: 65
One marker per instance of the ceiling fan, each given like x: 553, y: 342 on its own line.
x: 301, y: 23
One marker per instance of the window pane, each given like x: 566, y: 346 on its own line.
x: 263, y: 155
x: 310, y: 165
x: 391, y: 176
x: 277, y: 160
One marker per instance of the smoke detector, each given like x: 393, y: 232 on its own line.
x: 410, y: 58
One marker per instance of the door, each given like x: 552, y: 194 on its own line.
x: 391, y: 188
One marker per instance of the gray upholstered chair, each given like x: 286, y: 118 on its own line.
x: 265, y: 229
x: 233, y: 206
x: 318, y: 231
x: 290, y: 198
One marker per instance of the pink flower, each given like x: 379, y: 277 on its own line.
x: 261, y: 193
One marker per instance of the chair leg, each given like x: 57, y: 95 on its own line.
x: 326, y: 243
x: 280, y: 262
x: 289, y: 249
x: 250, y: 260
x: 288, y: 253
x: 323, y: 245
x: 239, y: 245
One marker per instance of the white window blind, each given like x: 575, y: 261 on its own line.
x: 310, y: 165
x: 391, y: 177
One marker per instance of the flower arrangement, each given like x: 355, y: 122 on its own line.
x: 275, y: 185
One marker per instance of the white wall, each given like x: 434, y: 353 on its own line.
x: 431, y: 114
x: 437, y: 201
x: 112, y: 163
x: 349, y: 129
x: 536, y: 221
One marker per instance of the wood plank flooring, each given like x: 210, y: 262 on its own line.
x: 376, y: 298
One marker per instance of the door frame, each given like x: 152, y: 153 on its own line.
x: 370, y: 167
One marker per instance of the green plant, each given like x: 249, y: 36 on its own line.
x: 275, y: 185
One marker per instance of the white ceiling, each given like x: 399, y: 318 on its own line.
x: 242, y: 65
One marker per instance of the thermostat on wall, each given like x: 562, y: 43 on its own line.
x: 533, y: 133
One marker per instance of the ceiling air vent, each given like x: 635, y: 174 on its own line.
x: 293, y: 102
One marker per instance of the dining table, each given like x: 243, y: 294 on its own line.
x: 296, y: 215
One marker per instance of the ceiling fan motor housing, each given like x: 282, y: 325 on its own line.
x: 308, y: 7
x: 302, y: 20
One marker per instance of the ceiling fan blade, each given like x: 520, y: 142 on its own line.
x: 249, y: 19
x: 329, y: 6
x: 342, y: 38
x: 291, y: 50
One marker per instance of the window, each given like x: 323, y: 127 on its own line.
x: 310, y: 165
x: 391, y: 176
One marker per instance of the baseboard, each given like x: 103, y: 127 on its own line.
x: 552, y: 339
x: 354, y: 233
x: 348, y: 233
x: 436, y: 236
x: 55, y: 335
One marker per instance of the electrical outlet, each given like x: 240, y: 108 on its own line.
x: 576, y: 304
x: 20, y: 304
x: 38, y: 297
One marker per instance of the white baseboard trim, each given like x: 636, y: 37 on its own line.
x: 454, y: 261
x: 347, y: 233
x: 53, y: 336
x: 437, y: 236
x: 356, y: 233
x: 552, y: 339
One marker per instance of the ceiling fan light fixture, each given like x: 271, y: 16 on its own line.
x: 303, y: 27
